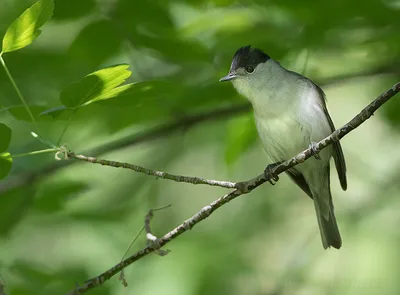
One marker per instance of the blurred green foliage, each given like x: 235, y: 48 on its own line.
x: 62, y: 223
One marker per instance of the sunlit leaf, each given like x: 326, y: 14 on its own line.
x: 5, y: 164
x: 26, y: 27
x: 242, y: 134
x: 98, y: 85
x: 116, y: 92
x: 5, y: 137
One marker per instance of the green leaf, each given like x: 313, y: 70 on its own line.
x: 57, y: 112
x: 5, y: 137
x: 5, y: 164
x: 97, y: 85
x: 242, y: 134
x: 119, y: 91
x: 25, y: 28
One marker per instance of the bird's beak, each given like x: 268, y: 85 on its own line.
x: 228, y: 77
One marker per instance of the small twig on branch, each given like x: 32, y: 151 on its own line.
x: 155, y: 173
x: 152, y: 240
x: 122, y: 274
x: 245, y: 187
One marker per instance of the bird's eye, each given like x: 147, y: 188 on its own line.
x: 249, y: 69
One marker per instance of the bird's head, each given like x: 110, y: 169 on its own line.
x: 249, y: 69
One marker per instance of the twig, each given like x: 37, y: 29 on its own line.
x: 152, y: 240
x: 155, y: 173
x: 122, y: 274
x: 156, y: 132
x: 245, y: 187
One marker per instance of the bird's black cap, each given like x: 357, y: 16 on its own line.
x: 248, y: 56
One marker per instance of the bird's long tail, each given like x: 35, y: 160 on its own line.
x: 327, y: 222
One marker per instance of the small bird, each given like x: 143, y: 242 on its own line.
x: 291, y: 115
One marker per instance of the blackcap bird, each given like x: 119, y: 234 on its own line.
x: 291, y: 115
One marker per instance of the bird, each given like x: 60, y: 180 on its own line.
x: 291, y: 115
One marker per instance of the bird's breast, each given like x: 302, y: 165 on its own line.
x: 282, y: 136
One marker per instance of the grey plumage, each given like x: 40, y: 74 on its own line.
x: 291, y: 113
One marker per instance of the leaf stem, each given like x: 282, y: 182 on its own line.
x: 17, y: 89
x: 34, y: 153
x: 66, y: 127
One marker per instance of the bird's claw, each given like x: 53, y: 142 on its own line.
x: 272, y: 179
x: 315, y: 150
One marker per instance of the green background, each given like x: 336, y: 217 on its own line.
x: 62, y: 224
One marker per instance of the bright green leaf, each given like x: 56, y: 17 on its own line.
x: 98, y: 85
x: 122, y: 90
x: 26, y: 27
x: 5, y: 137
x: 5, y: 164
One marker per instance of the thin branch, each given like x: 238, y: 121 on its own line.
x: 162, y: 130
x: 245, y: 187
x: 152, y: 240
x: 155, y: 173
x: 122, y: 274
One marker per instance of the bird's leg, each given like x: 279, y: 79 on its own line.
x: 315, y: 150
x: 269, y: 175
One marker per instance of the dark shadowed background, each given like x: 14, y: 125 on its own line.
x: 61, y: 225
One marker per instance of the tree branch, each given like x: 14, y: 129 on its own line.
x: 155, y: 173
x: 164, y: 129
x: 244, y: 188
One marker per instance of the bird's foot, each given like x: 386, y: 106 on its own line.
x: 272, y: 179
x: 315, y: 150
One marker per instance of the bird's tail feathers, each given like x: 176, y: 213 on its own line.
x: 328, y: 226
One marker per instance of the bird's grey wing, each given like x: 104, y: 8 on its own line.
x: 338, y: 156
x: 298, y: 178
